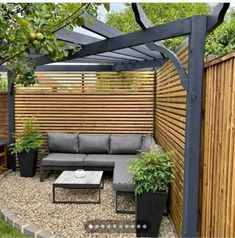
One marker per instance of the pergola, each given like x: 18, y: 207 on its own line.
x: 140, y: 50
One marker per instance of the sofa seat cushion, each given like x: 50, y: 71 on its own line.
x: 122, y: 177
x: 125, y: 144
x: 94, y: 144
x: 62, y: 142
x: 105, y: 160
x: 63, y: 159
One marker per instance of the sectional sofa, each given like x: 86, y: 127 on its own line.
x: 106, y: 152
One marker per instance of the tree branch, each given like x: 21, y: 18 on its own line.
x: 65, y: 20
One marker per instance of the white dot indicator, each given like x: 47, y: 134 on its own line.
x: 144, y: 226
x: 114, y: 226
x: 90, y: 226
x: 102, y: 226
x: 138, y: 226
x: 108, y: 226
x: 126, y: 226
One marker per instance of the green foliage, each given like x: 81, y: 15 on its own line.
x: 157, y: 13
x: 222, y: 40
x: 3, y: 84
x: 29, y: 28
x: 152, y: 172
x: 29, y: 138
x: 219, y: 42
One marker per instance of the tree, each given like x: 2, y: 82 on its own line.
x: 222, y: 40
x: 157, y: 13
x: 219, y: 42
x: 29, y: 28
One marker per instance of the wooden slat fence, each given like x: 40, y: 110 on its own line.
x: 217, y: 213
x: 170, y: 128
x: 105, y: 102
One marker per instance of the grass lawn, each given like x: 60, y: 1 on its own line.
x: 7, y: 231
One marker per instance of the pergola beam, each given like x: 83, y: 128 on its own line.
x: 144, y: 23
x: 75, y: 37
x: 108, y: 32
x: 216, y: 16
x: 165, y: 31
x: 138, y: 65
x: 73, y: 68
x: 142, y: 19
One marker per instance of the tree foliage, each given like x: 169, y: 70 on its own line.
x: 219, y: 42
x: 3, y: 83
x: 222, y: 40
x: 29, y: 28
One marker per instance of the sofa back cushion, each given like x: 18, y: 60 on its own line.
x: 147, y: 143
x: 62, y: 142
x: 125, y: 144
x: 94, y: 144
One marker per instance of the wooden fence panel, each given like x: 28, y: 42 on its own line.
x: 217, y: 213
x: 170, y: 118
x: 106, y: 102
x: 3, y: 116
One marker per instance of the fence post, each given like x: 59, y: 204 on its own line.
x: 11, y: 117
x: 193, y: 127
x: 154, y: 102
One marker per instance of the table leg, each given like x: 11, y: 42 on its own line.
x: 53, y: 194
x: 99, y: 196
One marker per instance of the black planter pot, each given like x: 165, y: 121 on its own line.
x: 28, y: 163
x: 149, y: 211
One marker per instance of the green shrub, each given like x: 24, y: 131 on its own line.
x: 29, y: 138
x: 3, y: 84
x: 152, y: 172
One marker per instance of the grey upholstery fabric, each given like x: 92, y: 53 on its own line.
x: 125, y: 144
x: 147, y: 143
x: 122, y: 177
x: 158, y: 149
x: 63, y: 159
x: 94, y: 144
x: 62, y: 142
x: 105, y: 160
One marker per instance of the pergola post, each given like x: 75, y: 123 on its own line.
x: 193, y: 126
x: 11, y: 118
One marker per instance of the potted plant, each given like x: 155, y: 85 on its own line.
x: 152, y: 173
x: 26, y: 147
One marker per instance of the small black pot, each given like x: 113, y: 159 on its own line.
x: 28, y: 163
x: 149, y: 211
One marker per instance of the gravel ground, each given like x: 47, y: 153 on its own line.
x: 30, y: 201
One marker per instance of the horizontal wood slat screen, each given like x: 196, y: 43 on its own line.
x: 170, y: 127
x: 217, y: 213
x: 106, y: 102
x: 3, y: 116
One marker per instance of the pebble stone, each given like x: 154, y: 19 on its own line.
x: 31, y: 202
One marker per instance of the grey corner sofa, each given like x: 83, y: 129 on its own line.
x: 106, y: 152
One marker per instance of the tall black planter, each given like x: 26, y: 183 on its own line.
x: 28, y: 163
x: 149, y: 211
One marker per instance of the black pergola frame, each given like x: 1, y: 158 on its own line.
x: 147, y: 42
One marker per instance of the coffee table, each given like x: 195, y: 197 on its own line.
x: 67, y: 180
